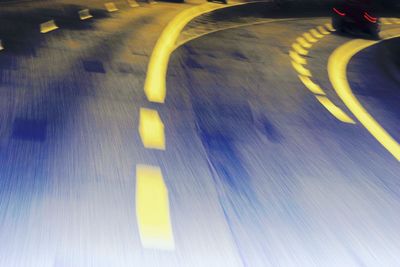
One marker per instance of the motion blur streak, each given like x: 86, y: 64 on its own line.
x: 152, y: 209
x: 151, y: 129
x: 300, y: 69
x: 337, y: 67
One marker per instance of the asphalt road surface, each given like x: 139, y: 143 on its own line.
x: 258, y: 172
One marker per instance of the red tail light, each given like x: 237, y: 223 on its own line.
x: 370, y: 18
x: 338, y: 12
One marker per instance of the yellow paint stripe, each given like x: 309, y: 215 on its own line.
x: 322, y: 30
x: 133, y: 3
x: 151, y: 129
x: 110, y: 7
x: 313, y: 87
x: 337, y: 112
x: 84, y: 14
x: 303, y: 42
x: 301, y: 69
x: 330, y: 27
x: 316, y: 34
x: 386, y: 21
x: 155, y: 84
x: 299, y: 49
x: 48, y: 26
x: 310, y: 38
x: 152, y: 209
x: 297, y: 58
x: 337, y: 67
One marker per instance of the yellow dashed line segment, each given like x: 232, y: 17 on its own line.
x: 299, y: 49
x: 313, y: 87
x: 111, y: 7
x: 316, y: 34
x: 48, y: 26
x: 301, y: 69
x: 310, y: 38
x: 85, y: 14
x: 303, y: 42
x: 334, y: 110
x: 297, y: 58
x: 152, y: 209
x: 151, y: 129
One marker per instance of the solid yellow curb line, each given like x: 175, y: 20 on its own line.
x: 152, y: 209
x: 337, y: 70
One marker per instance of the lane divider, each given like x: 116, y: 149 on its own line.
x: 152, y: 204
x: 151, y: 129
x: 152, y: 209
x: 298, y: 62
x: 48, y: 26
x: 84, y: 14
x: 111, y: 7
x: 337, y: 70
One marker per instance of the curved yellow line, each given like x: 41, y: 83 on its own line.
x: 337, y: 67
x: 155, y: 84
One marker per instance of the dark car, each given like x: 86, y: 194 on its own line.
x: 356, y: 16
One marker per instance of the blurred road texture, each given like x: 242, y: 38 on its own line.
x: 254, y: 172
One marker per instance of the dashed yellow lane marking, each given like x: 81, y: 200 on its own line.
x: 303, y: 42
x: 334, y: 110
x: 298, y: 62
x: 84, y: 14
x: 316, y: 34
x: 301, y: 69
x: 313, y: 87
x: 337, y: 69
x: 330, y: 27
x: 299, y: 49
x: 297, y: 58
x: 110, y: 7
x: 133, y: 3
x: 322, y: 30
x: 152, y: 209
x: 48, y: 26
x: 310, y: 38
x: 151, y: 129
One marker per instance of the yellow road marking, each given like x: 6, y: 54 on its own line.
x: 322, y: 30
x: 133, y: 3
x: 334, y: 110
x: 297, y: 58
x: 313, y: 87
x: 303, y: 42
x: 152, y: 209
x: 316, y: 34
x: 301, y: 69
x: 337, y: 67
x: 110, y: 7
x: 48, y: 26
x: 84, y: 14
x: 151, y: 129
x: 330, y: 27
x: 299, y: 49
x: 310, y: 38
x: 155, y: 84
